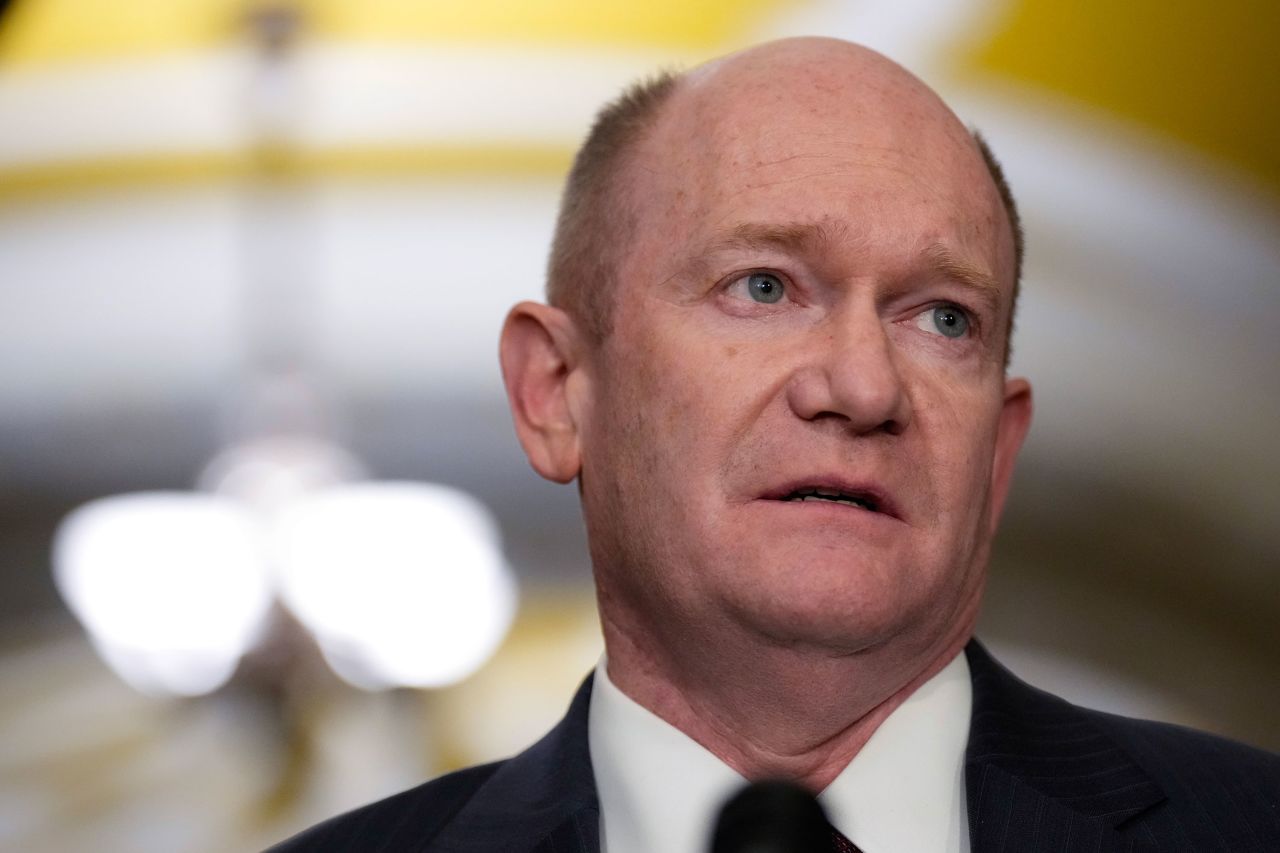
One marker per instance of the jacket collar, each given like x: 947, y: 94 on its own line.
x: 1040, y: 772
x: 541, y: 801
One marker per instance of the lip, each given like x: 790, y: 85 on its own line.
x: 874, y: 492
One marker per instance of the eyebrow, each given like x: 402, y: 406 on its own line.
x: 979, y: 282
x: 793, y: 238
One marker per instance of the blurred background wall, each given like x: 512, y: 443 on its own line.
x: 249, y: 251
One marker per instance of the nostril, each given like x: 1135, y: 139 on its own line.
x: 892, y: 427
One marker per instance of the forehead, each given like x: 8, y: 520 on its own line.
x: 859, y: 143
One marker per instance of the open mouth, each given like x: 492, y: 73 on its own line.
x: 857, y: 499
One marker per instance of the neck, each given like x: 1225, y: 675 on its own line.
x: 776, y: 712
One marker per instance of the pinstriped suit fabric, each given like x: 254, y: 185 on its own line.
x: 1040, y: 774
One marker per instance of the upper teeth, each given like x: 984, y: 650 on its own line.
x: 828, y: 495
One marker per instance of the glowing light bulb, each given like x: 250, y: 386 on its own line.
x: 401, y: 583
x: 171, y: 586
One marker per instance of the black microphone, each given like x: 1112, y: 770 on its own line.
x: 772, y: 817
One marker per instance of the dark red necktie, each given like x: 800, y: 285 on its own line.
x: 840, y: 844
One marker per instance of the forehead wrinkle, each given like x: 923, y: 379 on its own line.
x: 848, y: 158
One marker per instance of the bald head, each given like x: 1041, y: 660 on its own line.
x: 776, y: 101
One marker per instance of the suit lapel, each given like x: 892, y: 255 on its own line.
x: 541, y: 801
x: 580, y: 833
x: 1040, y: 775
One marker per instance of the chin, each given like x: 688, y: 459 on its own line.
x: 847, y: 604
x: 844, y: 623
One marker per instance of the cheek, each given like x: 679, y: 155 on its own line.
x: 957, y: 423
x: 683, y: 383
x: 681, y: 410
x: 647, y: 414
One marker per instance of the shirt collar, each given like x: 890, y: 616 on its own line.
x: 904, y: 791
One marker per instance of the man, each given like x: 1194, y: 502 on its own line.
x: 774, y: 360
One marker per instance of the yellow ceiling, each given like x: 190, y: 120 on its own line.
x: 45, y: 32
x: 1207, y: 73
x: 1203, y: 73
x: 41, y: 32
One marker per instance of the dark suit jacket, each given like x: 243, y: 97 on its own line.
x: 1040, y: 775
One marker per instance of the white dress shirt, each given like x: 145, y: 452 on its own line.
x: 660, y: 790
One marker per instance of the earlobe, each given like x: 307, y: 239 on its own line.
x: 539, y: 355
x: 1015, y: 421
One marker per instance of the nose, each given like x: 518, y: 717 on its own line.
x: 852, y: 376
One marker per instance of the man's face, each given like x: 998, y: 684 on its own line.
x: 814, y: 303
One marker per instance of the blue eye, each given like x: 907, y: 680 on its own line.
x: 947, y: 320
x: 764, y: 287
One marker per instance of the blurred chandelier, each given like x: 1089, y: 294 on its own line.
x: 399, y: 583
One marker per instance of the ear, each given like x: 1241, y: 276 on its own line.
x: 539, y: 352
x: 1015, y: 420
